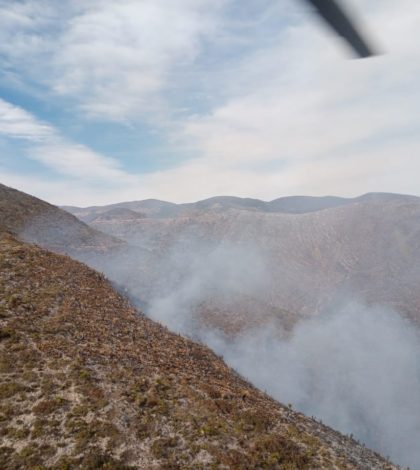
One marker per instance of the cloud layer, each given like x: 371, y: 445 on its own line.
x: 252, y: 101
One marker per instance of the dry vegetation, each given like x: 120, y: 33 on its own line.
x: 88, y: 382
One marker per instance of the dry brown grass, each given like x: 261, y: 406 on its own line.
x: 88, y: 382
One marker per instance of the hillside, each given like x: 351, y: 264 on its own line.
x: 39, y: 222
x: 88, y: 382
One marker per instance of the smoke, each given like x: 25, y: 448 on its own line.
x: 356, y: 368
x: 206, y: 274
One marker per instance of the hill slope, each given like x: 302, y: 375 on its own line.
x: 87, y: 382
x: 39, y: 222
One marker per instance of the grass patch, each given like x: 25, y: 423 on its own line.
x: 8, y: 390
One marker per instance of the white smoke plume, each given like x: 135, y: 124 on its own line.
x: 355, y: 368
x: 203, y: 273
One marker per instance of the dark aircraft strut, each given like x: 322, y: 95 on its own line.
x: 335, y: 16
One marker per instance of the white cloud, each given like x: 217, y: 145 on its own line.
x: 327, y: 124
x: 112, y: 58
x: 49, y: 147
x: 18, y: 123
x: 77, y: 160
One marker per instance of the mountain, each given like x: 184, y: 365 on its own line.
x: 88, y: 382
x: 116, y: 213
x: 39, y: 222
x: 314, y: 252
x: 303, y: 204
x: 288, y: 205
x: 149, y: 207
x: 226, y: 202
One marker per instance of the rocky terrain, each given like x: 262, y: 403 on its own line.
x: 88, y: 382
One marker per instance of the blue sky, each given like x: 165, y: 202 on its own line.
x: 104, y: 101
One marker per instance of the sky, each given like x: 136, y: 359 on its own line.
x: 104, y: 101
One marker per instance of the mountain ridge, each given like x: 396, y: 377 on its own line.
x: 287, y: 204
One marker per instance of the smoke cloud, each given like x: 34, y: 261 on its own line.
x: 354, y: 367
x: 205, y: 273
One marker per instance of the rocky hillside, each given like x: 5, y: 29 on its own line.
x: 88, y: 382
x: 39, y: 222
